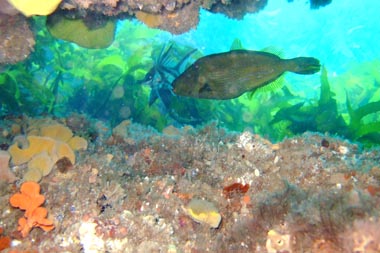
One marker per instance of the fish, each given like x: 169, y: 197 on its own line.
x: 230, y: 74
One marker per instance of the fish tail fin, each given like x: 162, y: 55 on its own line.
x: 304, y: 65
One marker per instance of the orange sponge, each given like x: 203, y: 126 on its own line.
x: 30, y: 200
x: 36, y: 219
x: 29, y: 197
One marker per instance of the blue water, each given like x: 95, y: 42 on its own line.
x: 343, y: 31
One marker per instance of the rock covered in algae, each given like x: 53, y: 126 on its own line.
x: 236, y: 9
x: 175, y: 16
x: 16, y: 39
x: 204, y: 212
x: 7, y: 8
x: 177, y: 22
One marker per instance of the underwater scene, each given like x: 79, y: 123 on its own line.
x: 189, y: 126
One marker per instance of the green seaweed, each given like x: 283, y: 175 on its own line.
x: 358, y: 129
x: 327, y: 117
x: 323, y: 116
x: 20, y: 93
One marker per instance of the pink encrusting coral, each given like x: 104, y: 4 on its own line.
x: 363, y: 236
x: 5, y: 173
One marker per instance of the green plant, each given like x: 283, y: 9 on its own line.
x: 323, y: 116
x: 21, y: 93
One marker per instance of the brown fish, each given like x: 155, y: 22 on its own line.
x: 228, y: 75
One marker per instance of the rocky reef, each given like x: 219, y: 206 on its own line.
x: 16, y: 39
x: 200, y: 190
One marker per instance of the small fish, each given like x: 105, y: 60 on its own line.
x: 228, y: 75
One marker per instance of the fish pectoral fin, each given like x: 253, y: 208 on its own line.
x: 271, y: 86
x: 276, y: 84
x: 250, y: 94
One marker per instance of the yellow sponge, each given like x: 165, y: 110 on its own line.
x: 204, y: 212
x: 35, y: 7
x: 57, y: 132
x: 37, y: 144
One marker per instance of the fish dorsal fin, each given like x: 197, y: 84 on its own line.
x: 273, y: 50
x: 276, y: 84
x: 236, y: 45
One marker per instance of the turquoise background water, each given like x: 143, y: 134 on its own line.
x: 343, y: 31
